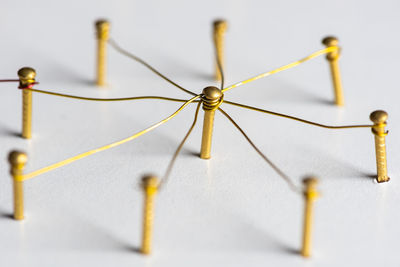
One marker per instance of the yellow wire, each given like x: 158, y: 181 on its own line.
x: 105, y: 99
x: 93, y: 151
x: 126, y: 53
x: 288, y: 66
x: 295, y: 118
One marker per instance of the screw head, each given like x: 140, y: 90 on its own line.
x: 150, y: 181
x: 212, y: 93
x: 102, y: 24
x: 26, y: 73
x: 330, y: 41
x: 310, y: 181
x: 378, y: 116
x: 220, y: 24
x: 17, y: 158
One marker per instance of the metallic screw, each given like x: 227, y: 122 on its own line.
x: 211, y: 98
x: 102, y: 30
x: 333, y: 58
x: 219, y: 27
x: 379, y: 118
x: 26, y: 79
x: 18, y: 160
x: 150, y: 187
x: 310, y: 194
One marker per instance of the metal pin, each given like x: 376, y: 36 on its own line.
x: 379, y: 118
x: 219, y: 27
x: 211, y: 99
x: 310, y: 194
x: 102, y: 30
x: 333, y: 58
x: 26, y: 79
x: 150, y: 186
x: 18, y: 160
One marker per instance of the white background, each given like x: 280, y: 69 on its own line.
x: 232, y: 210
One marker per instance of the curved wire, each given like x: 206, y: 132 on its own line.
x: 286, y: 178
x: 126, y: 53
x: 105, y: 99
x: 114, y: 144
x: 295, y: 118
x: 178, y: 150
x: 288, y: 66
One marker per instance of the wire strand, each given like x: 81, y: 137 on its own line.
x: 219, y: 65
x: 9, y: 80
x: 295, y: 118
x: 288, y: 66
x: 286, y: 178
x: 106, y: 99
x: 93, y: 151
x: 126, y: 53
x: 178, y: 150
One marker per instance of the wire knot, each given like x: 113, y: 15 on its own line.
x: 380, y: 134
x: 211, y: 104
x: 334, y: 55
x: 29, y: 85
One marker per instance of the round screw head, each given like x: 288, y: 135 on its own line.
x: 220, y: 24
x: 150, y: 181
x: 17, y: 158
x: 26, y: 73
x: 378, y: 116
x: 102, y: 24
x: 330, y: 41
x: 310, y: 181
x: 212, y: 93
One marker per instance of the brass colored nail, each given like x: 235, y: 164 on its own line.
x: 333, y: 58
x: 26, y: 78
x: 211, y: 99
x: 150, y: 186
x: 379, y: 118
x: 102, y: 30
x: 18, y: 160
x: 220, y: 27
x: 310, y: 194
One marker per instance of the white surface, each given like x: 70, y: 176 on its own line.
x: 232, y: 210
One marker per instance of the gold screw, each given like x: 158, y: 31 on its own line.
x: 220, y: 27
x: 18, y: 160
x: 310, y: 194
x: 150, y: 186
x: 379, y: 118
x: 102, y: 30
x: 333, y: 58
x: 211, y: 99
x: 26, y: 79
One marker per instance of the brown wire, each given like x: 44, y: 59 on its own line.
x: 295, y: 118
x: 126, y: 53
x: 178, y: 150
x: 292, y: 186
x: 219, y: 65
x: 105, y: 99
